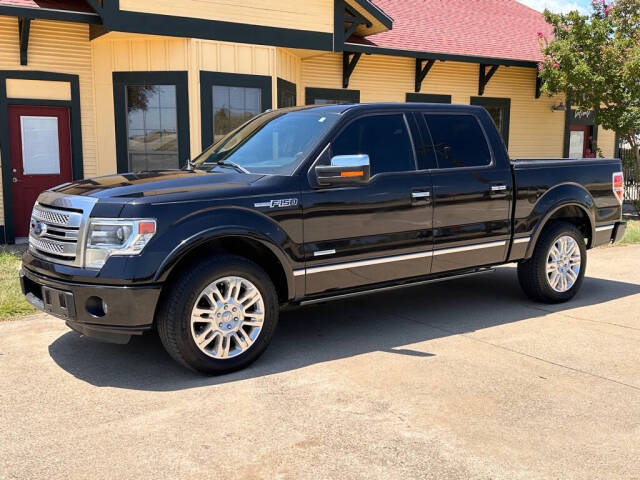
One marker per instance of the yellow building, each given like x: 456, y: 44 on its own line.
x: 97, y: 87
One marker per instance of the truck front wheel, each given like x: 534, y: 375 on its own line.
x: 219, y: 315
x: 556, y: 269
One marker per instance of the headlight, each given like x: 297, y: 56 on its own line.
x: 115, y: 236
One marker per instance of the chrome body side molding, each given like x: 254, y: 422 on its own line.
x: 393, y: 258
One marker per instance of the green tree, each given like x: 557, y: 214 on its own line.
x: 594, y: 60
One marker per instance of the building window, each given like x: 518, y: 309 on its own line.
x: 228, y: 100
x: 152, y: 120
x: 287, y: 94
x: 152, y: 127
x: 232, y: 106
x: 427, y: 98
x: 327, y: 96
x: 500, y: 111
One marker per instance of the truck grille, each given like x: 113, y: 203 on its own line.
x: 50, y: 216
x: 57, y: 227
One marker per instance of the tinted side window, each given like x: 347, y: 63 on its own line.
x: 383, y: 137
x: 458, y: 141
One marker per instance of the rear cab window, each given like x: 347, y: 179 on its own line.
x: 457, y: 141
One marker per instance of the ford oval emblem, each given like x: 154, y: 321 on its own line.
x: 39, y: 229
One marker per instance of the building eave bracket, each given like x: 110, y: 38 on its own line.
x: 353, y: 19
x: 485, y: 76
x: 423, y: 66
x: 24, y: 29
x: 539, y: 83
x: 349, y: 62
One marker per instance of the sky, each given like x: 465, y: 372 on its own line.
x: 559, y: 6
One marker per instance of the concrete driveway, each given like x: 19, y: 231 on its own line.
x: 466, y: 379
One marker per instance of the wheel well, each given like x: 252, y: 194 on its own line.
x: 244, y: 247
x: 576, y: 216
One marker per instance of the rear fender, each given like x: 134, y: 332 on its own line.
x: 561, y: 196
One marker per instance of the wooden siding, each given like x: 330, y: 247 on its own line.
x: 312, y: 15
x: 289, y: 67
x: 58, y: 47
x: 534, y: 130
x: 607, y: 142
x: 211, y: 56
x: 38, y: 89
x: 65, y: 48
x: 148, y: 53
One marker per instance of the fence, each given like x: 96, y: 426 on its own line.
x: 631, y: 174
x: 631, y: 184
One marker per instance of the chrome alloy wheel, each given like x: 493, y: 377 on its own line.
x: 563, y: 264
x: 227, y: 317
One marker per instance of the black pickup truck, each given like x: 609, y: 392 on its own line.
x: 307, y: 204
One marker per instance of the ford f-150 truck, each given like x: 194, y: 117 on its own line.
x: 307, y: 204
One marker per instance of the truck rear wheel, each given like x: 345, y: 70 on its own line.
x: 219, y: 315
x: 555, y: 272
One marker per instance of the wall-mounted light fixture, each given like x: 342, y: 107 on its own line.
x: 560, y: 107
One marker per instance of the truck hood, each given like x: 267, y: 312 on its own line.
x: 161, y: 182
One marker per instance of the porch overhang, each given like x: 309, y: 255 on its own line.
x: 370, y: 49
x: 74, y: 11
x: 118, y: 20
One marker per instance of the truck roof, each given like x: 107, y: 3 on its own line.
x: 343, y: 108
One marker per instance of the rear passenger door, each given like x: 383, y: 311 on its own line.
x: 472, y: 187
x: 374, y: 232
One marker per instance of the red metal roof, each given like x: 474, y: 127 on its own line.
x: 503, y: 29
x: 66, y: 5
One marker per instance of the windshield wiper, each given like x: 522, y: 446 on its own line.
x: 234, y: 165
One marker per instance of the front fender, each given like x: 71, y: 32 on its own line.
x: 556, y: 198
x: 194, y: 231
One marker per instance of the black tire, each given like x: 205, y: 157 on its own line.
x: 532, y: 274
x: 174, y: 314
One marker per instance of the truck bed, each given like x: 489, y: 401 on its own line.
x: 524, y: 163
x: 543, y: 182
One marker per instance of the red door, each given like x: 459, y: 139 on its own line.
x: 579, y: 141
x: 40, y: 157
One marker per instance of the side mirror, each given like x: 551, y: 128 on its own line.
x: 344, y: 169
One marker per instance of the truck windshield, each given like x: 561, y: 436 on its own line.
x: 272, y: 143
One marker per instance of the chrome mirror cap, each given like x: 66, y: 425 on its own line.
x: 361, y: 160
x: 344, y: 169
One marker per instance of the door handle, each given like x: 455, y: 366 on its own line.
x: 499, y: 190
x: 418, y: 195
x: 420, y: 198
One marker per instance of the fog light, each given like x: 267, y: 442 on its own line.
x: 96, y: 307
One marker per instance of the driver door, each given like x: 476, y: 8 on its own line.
x: 374, y: 232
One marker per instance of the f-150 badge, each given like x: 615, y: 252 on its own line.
x: 282, y: 203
